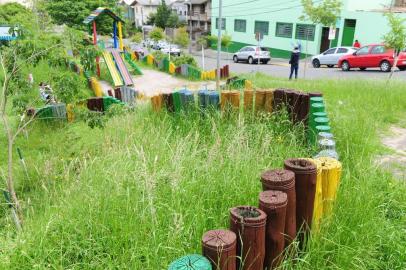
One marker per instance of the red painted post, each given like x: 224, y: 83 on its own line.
x: 95, y: 44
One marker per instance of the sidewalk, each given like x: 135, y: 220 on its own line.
x: 210, y: 53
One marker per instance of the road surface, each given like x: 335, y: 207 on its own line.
x: 280, y: 68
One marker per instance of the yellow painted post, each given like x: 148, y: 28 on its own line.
x: 69, y: 112
x: 120, y: 36
x: 150, y: 60
x: 248, y: 85
x: 331, y: 175
x: 97, y: 89
x: 318, y: 199
x: 172, y: 68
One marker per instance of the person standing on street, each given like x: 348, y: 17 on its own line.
x: 294, y: 62
x: 357, y: 44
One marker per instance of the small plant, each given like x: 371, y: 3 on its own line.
x: 159, y: 56
x: 185, y: 59
x: 157, y: 34
x: 68, y: 88
x: 182, y: 37
x: 88, y: 58
x: 137, y: 37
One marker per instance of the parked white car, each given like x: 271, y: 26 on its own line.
x: 173, y: 49
x: 160, y: 44
x: 251, y: 54
x: 331, y: 56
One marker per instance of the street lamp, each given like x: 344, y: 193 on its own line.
x: 189, y: 2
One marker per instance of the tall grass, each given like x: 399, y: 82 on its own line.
x: 141, y: 192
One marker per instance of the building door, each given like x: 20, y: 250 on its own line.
x: 349, y: 32
x: 325, y: 42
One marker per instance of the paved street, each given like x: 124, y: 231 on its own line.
x: 280, y: 68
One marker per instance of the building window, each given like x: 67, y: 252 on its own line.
x: 284, y: 30
x: 305, y: 31
x: 223, y: 23
x: 240, y: 26
x: 262, y: 27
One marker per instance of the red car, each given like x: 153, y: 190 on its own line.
x: 372, y: 56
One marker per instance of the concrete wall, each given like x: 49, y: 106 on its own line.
x: 370, y: 26
x: 367, y: 5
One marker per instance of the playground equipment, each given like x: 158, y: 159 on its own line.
x: 112, y: 57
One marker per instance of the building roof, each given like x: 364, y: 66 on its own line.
x: 149, y: 2
x: 99, y: 11
x: 128, y: 2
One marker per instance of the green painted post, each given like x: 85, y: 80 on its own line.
x: 177, y: 101
x: 191, y: 262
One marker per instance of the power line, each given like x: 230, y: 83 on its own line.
x: 269, y: 6
x: 236, y: 4
x: 266, y: 12
x: 251, y: 1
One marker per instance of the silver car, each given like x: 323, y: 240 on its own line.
x: 251, y: 54
x: 331, y: 56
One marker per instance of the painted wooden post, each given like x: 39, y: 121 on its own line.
x: 115, y: 34
x: 95, y: 44
x: 120, y: 36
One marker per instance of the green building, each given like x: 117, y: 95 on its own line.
x: 281, y: 27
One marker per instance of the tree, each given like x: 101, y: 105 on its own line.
x: 12, y: 60
x: 396, y: 37
x: 162, y: 15
x: 157, y: 34
x: 151, y: 19
x: 72, y: 12
x: 325, y: 13
x: 173, y: 20
x: 182, y: 37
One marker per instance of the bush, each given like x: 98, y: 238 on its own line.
x: 182, y: 37
x: 158, y: 55
x: 137, y: 37
x: 68, y: 87
x: 185, y: 59
x: 157, y: 34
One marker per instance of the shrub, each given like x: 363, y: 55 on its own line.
x: 158, y: 55
x: 68, y: 87
x: 185, y: 59
x: 157, y: 34
x: 182, y: 37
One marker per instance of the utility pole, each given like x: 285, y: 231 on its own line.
x: 219, y: 26
x: 190, y: 25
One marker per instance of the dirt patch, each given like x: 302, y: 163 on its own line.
x: 154, y: 82
x: 396, y: 162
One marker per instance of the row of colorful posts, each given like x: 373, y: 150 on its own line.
x: 291, y: 206
x: 306, y: 108
x: 186, y: 70
x: 100, y: 103
x: 295, y: 199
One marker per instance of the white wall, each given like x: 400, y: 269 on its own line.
x: 354, y: 5
x: 26, y: 3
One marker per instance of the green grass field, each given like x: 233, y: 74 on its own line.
x: 141, y: 192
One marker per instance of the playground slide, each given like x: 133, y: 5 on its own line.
x: 115, y: 74
x: 136, y: 69
x: 125, y: 74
